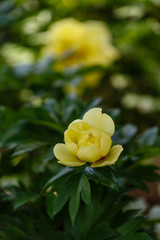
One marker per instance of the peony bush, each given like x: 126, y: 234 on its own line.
x: 86, y: 188
x: 89, y: 196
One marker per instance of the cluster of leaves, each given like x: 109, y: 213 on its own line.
x: 96, y: 197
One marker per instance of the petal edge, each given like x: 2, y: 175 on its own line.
x: 65, y: 157
x: 99, y: 120
x: 111, y: 157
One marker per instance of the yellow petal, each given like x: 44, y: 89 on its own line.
x: 100, y: 121
x: 111, y: 157
x: 79, y: 125
x: 89, y: 153
x: 65, y: 157
x: 70, y: 138
x: 105, y: 144
x: 71, y: 135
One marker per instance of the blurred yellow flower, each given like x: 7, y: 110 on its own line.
x: 80, y: 44
x: 89, y: 140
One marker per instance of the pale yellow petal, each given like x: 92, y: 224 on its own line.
x: 65, y: 157
x: 96, y: 119
x: 105, y: 144
x: 89, y: 153
x: 79, y: 125
x: 70, y: 138
x: 72, y: 148
x: 111, y: 157
x: 71, y: 135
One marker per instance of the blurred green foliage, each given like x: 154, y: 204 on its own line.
x: 132, y: 83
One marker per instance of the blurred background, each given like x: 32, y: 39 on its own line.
x: 53, y: 50
x: 126, y: 73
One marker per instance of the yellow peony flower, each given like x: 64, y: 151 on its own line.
x: 89, y: 140
x: 87, y: 44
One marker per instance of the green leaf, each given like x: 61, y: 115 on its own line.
x: 92, y: 103
x: 101, y: 232
x: 130, y: 226
x: 50, y: 204
x: 114, y: 113
x: 140, y: 236
x: 125, y: 134
x: 48, y: 124
x: 15, y: 232
x: 64, y: 194
x: 28, y: 147
x: 75, y: 200
x: 149, y: 137
x: 67, y: 171
x: 86, y: 190
x: 104, y: 176
x: 135, y: 236
x: 125, y: 215
x: 146, y: 152
x: 140, y: 174
x: 47, y: 157
x: 113, y: 210
x: 23, y: 198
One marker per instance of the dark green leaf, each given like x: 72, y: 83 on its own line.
x: 101, y: 232
x: 23, y: 198
x: 75, y: 199
x: 135, y: 236
x: 92, y: 103
x: 28, y: 147
x: 50, y: 203
x: 64, y: 172
x: 113, y: 112
x: 140, y: 174
x: 130, y: 226
x: 140, y: 236
x: 125, y: 134
x: 86, y: 190
x: 148, y: 138
x: 104, y: 176
x: 48, y: 124
x: 146, y: 152
x: 64, y: 194
x: 15, y: 233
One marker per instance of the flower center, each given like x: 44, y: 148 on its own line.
x: 90, y: 139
